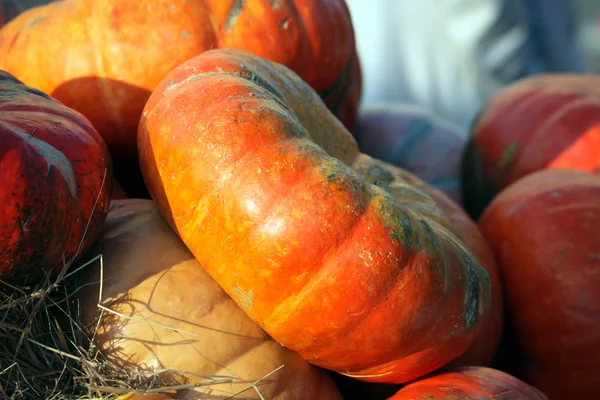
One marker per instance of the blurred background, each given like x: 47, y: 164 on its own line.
x: 449, y: 56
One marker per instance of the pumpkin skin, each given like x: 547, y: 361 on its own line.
x: 259, y: 186
x: 385, y: 175
x: 415, y: 140
x: 544, y: 232
x: 473, y: 383
x: 545, y: 121
x: 8, y: 10
x: 55, y: 181
x: 104, y: 57
x: 151, y: 276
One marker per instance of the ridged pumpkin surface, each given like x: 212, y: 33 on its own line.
x: 55, y: 180
x: 253, y: 172
x: 104, y: 57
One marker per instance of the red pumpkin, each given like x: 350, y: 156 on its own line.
x: 55, y: 181
x: 545, y: 121
x: 8, y: 10
x: 544, y: 232
x: 104, y: 57
x: 473, y: 383
x: 258, y: 185
x: 414, y: 140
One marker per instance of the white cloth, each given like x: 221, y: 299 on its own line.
x: 450, y: 55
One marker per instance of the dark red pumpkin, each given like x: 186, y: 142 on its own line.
x: 545, y: 121
x: 354, y: 278
x: 414, y: 140
x: 544, y: 232
x: 8, y: 10
x: 55, y: 180
x: 104, y: 57
x: 473, y: 383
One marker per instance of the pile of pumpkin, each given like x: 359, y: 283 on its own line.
x: 263, y: 230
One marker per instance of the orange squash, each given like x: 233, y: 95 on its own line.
x: 253, y: 172
x: 178, y: 318
x: 104, y: 57
x: 473, y: 383
x: 544, y: 232
x: 55, y: 181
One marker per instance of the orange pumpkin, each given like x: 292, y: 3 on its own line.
x: 55, y: 181
x: 473, y: 383
x: 252, y: 171
x: 178, y: 318
x: 544, y: 232
x: 544, y: 121
x: 393, y: 178
x: 104, y: 57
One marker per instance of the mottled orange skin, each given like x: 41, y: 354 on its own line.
x: 55, y: 181
x: 544, y: 232
x: 473, y: 383
x: 8, y: 10
x: 483, y: 350
x: 545, y: 121
x: 104, y: 57
x: 253, y: 172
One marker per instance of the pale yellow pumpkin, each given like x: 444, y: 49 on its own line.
x: 178, y: 318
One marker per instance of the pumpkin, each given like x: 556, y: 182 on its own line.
x: 415, y: 140
x: 104, y: 57
x: 55, y: 181
x: 385, y: 175
x: 178, y: 318
x: 253, y: 172
x: 545, y: 121
x: 473, y: 383
x: 8, y: 10
x: 544, y: 232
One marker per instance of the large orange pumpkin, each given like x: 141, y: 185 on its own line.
x: 55, y: 180
x: 473, y: 383
x: 178, y: 318
x: 252, y: 171
x: 394, y: 179
x: 545, y: 121
x: 544, y: 232
x: 104, y: 57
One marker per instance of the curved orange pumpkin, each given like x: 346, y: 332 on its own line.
x: 546, y: 121
x: 178, y: 318
x: 384, y: 174
x: 252, y: 171
x: 544, y: 232
x: 104, y: 57
x: 8, y: 10
x: 473, y: 383
x: 55, y: 180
